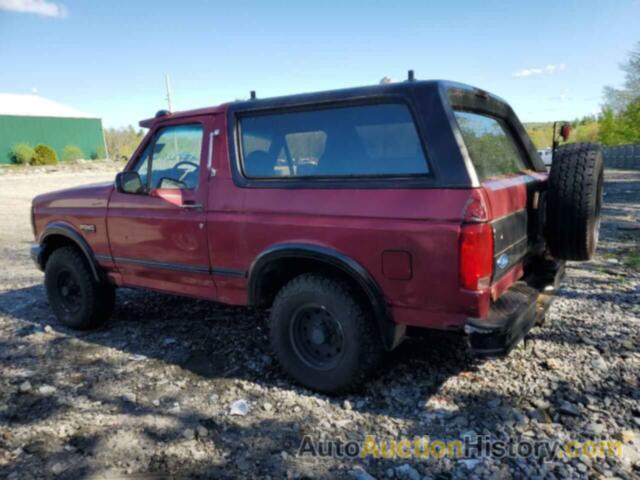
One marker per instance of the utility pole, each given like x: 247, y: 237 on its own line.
x: 168, y: 85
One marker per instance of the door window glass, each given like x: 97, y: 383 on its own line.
x: 175, y: 158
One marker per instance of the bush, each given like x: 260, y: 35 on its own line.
x: 23, y: 154
x: 72, y: 152
x: 45, y: 155
x: 98, y: 154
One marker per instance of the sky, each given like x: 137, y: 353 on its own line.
x: 549, y: 59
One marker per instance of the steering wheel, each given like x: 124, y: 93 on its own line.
x: 186, y: 171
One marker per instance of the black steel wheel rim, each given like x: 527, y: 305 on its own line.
x: 316, y: 336
x: 69, y: 290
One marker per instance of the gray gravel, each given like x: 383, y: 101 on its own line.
x: 182, y: 387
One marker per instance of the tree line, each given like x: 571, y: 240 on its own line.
x: 619, y: 121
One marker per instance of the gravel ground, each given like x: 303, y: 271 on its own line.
x: 151, y: 393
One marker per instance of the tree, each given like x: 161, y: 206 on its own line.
x: 619, y: 99
x: 620, y: 121
x: 121, y: 142
x: 622, y: 128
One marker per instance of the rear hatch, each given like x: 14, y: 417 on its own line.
x: 505, y: 166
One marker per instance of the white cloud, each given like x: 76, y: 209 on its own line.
x: 38, y: 7
x: 548, y: 69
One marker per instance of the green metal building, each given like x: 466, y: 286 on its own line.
x: 32, y: 120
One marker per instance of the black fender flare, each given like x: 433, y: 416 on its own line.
x: 333, y: 258
x: 65, y: 230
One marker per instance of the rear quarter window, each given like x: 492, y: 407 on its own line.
x: 350, y: 141
x: 490, y: 144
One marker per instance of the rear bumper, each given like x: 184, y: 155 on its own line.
x: 516, y: 312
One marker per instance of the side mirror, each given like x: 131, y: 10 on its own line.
x: 565, y: 131
x: 129, y: 182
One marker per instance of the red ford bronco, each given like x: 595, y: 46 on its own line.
x: 350, y: 215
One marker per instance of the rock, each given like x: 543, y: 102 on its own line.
x: 630, y: 455
x: 360, y: 473
x: 567, y: 408
x: 239, y: 407
x: 469, y: 463
x: 189, y: 434
x: 540, y: 403
x: 347, y: 405
x: 243, y: 464
x: 267, y: 407
x: 551, y: 364
x: 46, y: 390
x: 48, y: 329
x: 58, y: 468
x: 540, y: 415
x: 169, y: 341
x: 494, y: 403
x: 129, y: 397
x: 25, y: 387
x: 407, y: 472
x: 599, y: 363
x: 625, y: 436
x: 596, y: 428
x: 202, y: 431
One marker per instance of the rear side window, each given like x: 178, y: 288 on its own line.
x: 359, y: 141
x: 491, y: 146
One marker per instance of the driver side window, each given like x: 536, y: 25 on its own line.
x: 172, y: 160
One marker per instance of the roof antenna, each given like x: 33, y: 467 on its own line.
x: 167, y: 83
x: 253, y: 94
x: 411, y: 77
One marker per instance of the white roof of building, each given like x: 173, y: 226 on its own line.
x: 36, y: 106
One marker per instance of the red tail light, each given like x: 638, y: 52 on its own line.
x: 476, y: 256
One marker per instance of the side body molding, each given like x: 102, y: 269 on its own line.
x: 65, y: 230
x: 356, y: 272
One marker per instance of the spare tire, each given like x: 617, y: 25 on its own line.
x: 574, y: 201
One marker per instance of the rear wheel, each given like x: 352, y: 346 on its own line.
x: 76, y: 298
x: 574, y: 201
x: 322, y: 336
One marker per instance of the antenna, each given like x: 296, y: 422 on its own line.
x: 252, y: 94
x: 168, y: 85
x: 411, y: 76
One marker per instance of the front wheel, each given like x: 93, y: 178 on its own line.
x: 322, y: 336
x: 76, y: 298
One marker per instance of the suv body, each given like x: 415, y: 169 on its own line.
x: 424, y: 199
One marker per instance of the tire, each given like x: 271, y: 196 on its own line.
x: 337, y: 326
x: 76, y: 298
x: 574, y: 201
